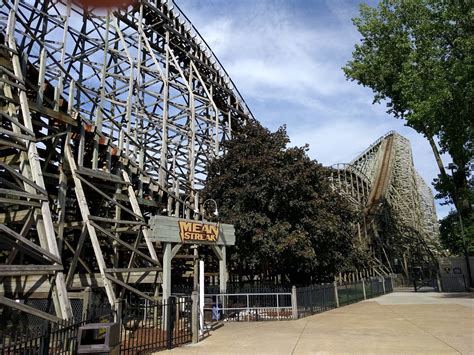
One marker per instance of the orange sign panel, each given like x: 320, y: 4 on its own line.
x: 195, y: 232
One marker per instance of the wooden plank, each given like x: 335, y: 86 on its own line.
x: 27, y: 309
x: 45, y: 228
x: 14, y: 216
x: 17, y: 193
x: 98, y: 174
x: 19, y: 270
x: 12, y: 201
x: 130, y: 270
x: 4, y: 144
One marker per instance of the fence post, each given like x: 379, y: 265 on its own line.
x: 86, y: 302
x: 363, y: 289
x: 439, y: 283
x: 294, y: 305
x: 383, y: 285
x: 194, y: 317
x: 118, y: 312
x: 391, y: 281
x: 278, y: 308
x: 169, y: 323
x: 336, y: 294
x: 44, y: 341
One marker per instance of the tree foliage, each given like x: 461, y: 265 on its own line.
x: 288, y: 220
x: 417, y: 56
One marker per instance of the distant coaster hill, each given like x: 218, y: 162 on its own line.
x: 398, y: 217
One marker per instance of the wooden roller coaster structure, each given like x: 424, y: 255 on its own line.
x: 398, y: 215
x: 107, y: 118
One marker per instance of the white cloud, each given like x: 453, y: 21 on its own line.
x: 286, y: 57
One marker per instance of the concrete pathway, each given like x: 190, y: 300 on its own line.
x: 398, y: 323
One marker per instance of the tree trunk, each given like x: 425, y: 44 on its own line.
x: 437, y: 156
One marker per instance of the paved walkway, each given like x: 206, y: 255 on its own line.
x: 398, y: 323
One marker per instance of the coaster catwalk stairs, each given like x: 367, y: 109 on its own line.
x: 107, y: 118
x: 398, y: 215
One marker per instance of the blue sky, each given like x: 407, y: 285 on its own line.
x: 285, y: 56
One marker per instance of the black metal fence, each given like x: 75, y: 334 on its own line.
x: 143, y: 329
x: 315, y: 299
x: 350, y: 292
x: 374, y: 287
x: 426, y: 285
x: 454, y: 283
x: 50, y: 338
x: 388, y: 281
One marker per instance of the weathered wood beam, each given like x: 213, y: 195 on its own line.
x: 20, y: 270
x: 27, y: 309
x: 29, y: 247
x: 130, y: 288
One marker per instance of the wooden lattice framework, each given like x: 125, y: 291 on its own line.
x: 107, y: 118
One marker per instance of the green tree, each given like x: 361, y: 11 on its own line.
x: 450, y: 229
x: 289, y: 222
x: 417, y: 56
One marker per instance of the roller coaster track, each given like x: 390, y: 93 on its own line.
x: 107, y: 118
x: 397, y: 206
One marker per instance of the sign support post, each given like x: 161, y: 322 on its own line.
x: 201, y: 296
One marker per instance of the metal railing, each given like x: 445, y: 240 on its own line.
x: 350, y: 292
x: 374, y: 287
x: 248, y: 306
x: 454, y: 283
x: 388, y: 282
x: 315, y: 299
x: 143, y: 329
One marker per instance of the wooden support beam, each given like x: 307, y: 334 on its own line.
x: 175, y: 250
x: 108, y: 198
x: 19, y: 270
x: 130, y: 288
x: 24, y: 179
x: 102, y: 175
x: 76, y: 257
x: 30, y: 248
x: 84, y: 208
x: 27, y: 309
x: 125, y: 244
x: 130, y: 270
x: 45, y: 111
